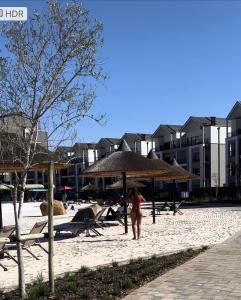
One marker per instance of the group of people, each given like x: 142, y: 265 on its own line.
x: 135, y: 198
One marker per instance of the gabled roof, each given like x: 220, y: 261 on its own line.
x: 203, y: 121
x: 170, y: 128
x: 83, y: 146
x: 235, y: 112
x: 64, y: 149
x: 108, y: 141
x: 137, y: 136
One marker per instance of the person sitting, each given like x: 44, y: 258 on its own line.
x: 112, y: 215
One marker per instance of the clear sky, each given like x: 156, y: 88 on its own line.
x: 166, y: 60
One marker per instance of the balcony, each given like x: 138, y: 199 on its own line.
x: 184, y: 143
x: 234, y: 133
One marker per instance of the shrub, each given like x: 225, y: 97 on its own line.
x: 39, y: 289
x: 84, y: 269
x: 114, y: 264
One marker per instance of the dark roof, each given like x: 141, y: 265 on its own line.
x: 171, y: 128
x: 83, y: 146
x: 64, y: 149
x: 109, y: 141
x: 137, y: 136
x: 204, y: 121
x: 235, y: 112
x: 207, y: 120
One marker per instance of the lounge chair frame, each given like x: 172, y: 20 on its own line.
x: 6, y: 232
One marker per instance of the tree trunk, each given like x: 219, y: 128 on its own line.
x: 17, y: 215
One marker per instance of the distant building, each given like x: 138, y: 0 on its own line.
x: 140, y: 143
x: 105, y: 146
x: 80, y: 156
x: 19, y: 124
x: 198, y: 146
x: 233, y: 146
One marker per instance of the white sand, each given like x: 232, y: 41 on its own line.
x: 196, y: 227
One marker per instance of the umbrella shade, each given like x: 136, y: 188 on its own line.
x: 34, y: 186
x: 90, y: 187
x: 5, y: 187
x: 12, y: 167
x: 38, y: 190
x: 127, y: 162
x: 174, y: 172
x: 129, y: 184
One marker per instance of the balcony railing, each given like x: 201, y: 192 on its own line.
x: 234, y: 133
x: 184, y: 143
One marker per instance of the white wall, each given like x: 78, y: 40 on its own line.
x: 214, y: 134
x: 146, y: 146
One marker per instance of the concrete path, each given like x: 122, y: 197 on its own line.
x: 214, y: 274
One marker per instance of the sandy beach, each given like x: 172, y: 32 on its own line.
x: 196, y: 227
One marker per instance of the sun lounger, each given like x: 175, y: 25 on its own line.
x: 176, y: 208
x: 37, y: 228
x: 6, y: 232
x: 79, y: 227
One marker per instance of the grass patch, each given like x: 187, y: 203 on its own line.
x: 38, y: 290
x: 107, y: 283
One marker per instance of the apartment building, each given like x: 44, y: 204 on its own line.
x: 198, y: 146
x: 233, y: 146
x: 140, y: 143
x: 19, y: 124
x: 80, y: 156
x: 105, y: 146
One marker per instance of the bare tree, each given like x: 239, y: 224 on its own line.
x: 48, y: 72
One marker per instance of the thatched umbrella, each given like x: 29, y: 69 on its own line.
x: 129, y: 184
x: 124, y: 163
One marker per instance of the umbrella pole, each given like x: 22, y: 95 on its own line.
x: 174, y: 196
x: 153, y: 201
x: 125, y: 204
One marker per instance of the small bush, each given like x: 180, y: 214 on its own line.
x: 73, y: 286
x: 39, y: 289
x: 204, y: 247
x: 84, y: 269
x: 126, y: 283
x: 114, y: 264
x: 85, y: 294
x: 116, y: 291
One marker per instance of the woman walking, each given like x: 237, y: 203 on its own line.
x: 136, y: 214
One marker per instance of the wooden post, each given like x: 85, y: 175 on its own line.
x: 125, y: 204
x: 50, y: 225
x: 153, y: 201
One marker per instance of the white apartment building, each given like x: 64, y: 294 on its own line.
x: 233, y: 146
x: 140, y: 143
x: 198, y: 146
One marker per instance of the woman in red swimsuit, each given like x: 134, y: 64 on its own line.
x: 136, y: 214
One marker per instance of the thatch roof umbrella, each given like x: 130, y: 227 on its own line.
x: 124, y: 163
x: 129, y: 184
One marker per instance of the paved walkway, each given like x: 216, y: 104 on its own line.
x: 214, y: 274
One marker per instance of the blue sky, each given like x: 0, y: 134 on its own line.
x: 166, y: 60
